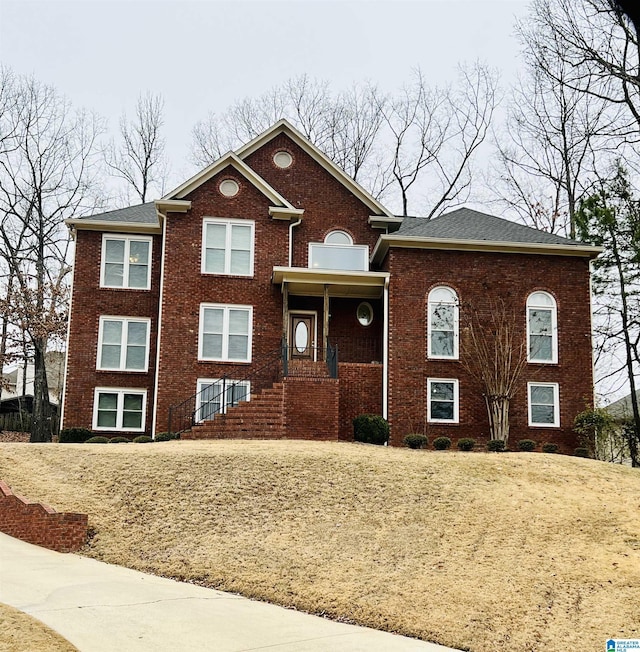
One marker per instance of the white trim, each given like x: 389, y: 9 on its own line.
x: 553, y: 309
x: 556, y: 405
x: 63, y: 398
x: 120, y: 391
x: 156, y: 379
x: 229, y: 224
x: 200, y: 382
x: 455, y: 303
x: 125, y: 321
x: 450, y: 244
x: 385, y: 351
x: 283, y: 126
x: 226, y: 307
x: 127, y: 239
x: 456, y: 400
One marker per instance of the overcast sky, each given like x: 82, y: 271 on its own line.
x: 202, y: 56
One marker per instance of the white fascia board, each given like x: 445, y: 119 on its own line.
x: 172, y: 206
x: 383, y: 222
x: 229, y: 159
x: 283, y: 126
x: 386, y: 241
x: 284, y: 213
x: 114, y: 227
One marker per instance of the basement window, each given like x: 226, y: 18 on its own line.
x: 216, y: 395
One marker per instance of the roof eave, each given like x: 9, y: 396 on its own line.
x: 387, y: 241
x: 75, y: 224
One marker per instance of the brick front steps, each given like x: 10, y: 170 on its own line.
x: 296, y: 408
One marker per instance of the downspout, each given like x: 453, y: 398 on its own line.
x: 385, y: 352
x: 66, y: 353
x: 291, y: 225
x: 156, y: 381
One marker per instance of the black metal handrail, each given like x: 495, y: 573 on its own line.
x: 183, y: 416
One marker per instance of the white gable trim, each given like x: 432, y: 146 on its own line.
x: 283, y: 126
x: 229, y: 159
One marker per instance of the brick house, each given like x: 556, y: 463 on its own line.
x: 271, y: 296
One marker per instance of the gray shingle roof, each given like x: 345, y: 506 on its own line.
x: 467, y: 224
x: 139, y: 214
x: 622, y: 409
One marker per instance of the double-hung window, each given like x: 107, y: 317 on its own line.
x: 442, y: 400
x: 126, y: 262
x: 227, y: 247
x: 542, y: 328
x: 123, y: 344
x: 443, y: 323
x: 225, y: 332
x: 544, y: 404
x: 216, y: 395
x: 119, y: 409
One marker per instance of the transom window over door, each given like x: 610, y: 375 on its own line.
x: 228, y: 247
x: 225, y: 332
x: 126, y: 262
x: 443, y: 324
x: 542, y: 328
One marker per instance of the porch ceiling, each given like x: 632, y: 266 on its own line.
x: 311, y: 282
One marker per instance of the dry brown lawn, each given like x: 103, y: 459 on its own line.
x: 485, y: 552
x: 20, y: 632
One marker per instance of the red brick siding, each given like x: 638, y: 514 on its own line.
x: 311, y: 408
x: 476, y: 276
x: 360, y: 393
x: 40, y: 524
x: 89, y: 302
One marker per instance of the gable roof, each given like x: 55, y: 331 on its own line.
x: 285, y: 127
x: 621, y: 409
x: 467, y: 229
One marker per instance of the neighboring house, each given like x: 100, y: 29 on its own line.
x: 181, y: 307
x: 622, y: 410
x: 19, y: 383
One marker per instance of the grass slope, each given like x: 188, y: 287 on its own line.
x: 484, y: 552
x: 20, y: 632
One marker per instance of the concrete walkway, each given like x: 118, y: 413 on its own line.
x: 98, y: 607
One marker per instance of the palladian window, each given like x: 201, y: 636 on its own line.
x: 338, y: 252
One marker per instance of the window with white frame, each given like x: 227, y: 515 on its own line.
x: 338, y: 252
x: 119, y: 409
x: 442, y: 400
x: 126, y: 262
x: 544, y: 404
x: 542, y: 328
x: 216, y: 395
x: 123, y: 344
x: 443, y: 335
x: 228, y: 247
x: 225, y: 332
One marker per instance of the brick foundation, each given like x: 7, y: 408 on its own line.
x: 40, y: 524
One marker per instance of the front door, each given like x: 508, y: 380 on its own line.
x: 302, y: 335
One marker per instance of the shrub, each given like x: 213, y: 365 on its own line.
x: 118, y: 440
x: 549, y: 448
x: 74, y: 435
x: 527, y: 445
x: 98, y: 439
x: 165, y: 436
x: 142, y: 439
x: 370, y: 429
x: 441, y: 443
x: 496, y: 445
x: 466, y: 444
x: 581, y: 452
x: 416, y: 441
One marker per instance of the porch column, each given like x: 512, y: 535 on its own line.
x: 325, y: 327
x: 285, y: 310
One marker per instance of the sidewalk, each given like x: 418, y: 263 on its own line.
x: 99, y: 607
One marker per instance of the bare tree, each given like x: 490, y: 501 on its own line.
x: 496, y: 359
x: 46, y: 175
x: 546, y: 153
x: 139, y: 157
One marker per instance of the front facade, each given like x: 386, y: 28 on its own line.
x: 270, y: 295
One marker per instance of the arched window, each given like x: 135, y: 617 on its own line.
x: 338, y: 237
x: 542, y: 328
x: 443, y: 323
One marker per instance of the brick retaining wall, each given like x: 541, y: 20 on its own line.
x: 40, y: 524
